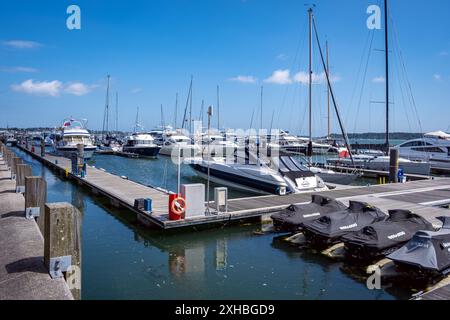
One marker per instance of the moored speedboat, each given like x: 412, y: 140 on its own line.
x: 142, y: 144
x: 279, y: 177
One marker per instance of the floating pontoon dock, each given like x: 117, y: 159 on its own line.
x: 423, y: 197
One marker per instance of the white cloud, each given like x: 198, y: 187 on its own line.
x: 136, y: 90
x: 77, y: 88
x: 317, y: 78
x: 52, y: 88
x: 282, y: 57
x: 280, y: 77
x: 437, y: 76
x: 378, y: 80
x: 22, y: 44
x: 18, y: 69
x: 45, y: 88
x: 244, y: 79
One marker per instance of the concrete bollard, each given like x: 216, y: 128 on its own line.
x: 393, y: 165
x: 62, y: 244
x: 23, y: 170
x: 35, y: 198
x: 15, y: 161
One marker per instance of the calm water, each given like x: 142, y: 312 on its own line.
x: 122, y: 260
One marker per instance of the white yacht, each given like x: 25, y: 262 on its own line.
x: 10, y: 139
x: 177, y: 144
x: 142, y: 144
x: 433, y: 147
x: 72, y: 133
x: 280, y: 177
x: 215, y: 144
x: 363, y: 161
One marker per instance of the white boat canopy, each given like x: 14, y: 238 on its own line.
x: 438, y: 134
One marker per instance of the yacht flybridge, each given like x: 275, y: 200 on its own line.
x: 73, y: 133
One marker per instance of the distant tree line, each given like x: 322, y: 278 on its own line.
x: 380, y: 136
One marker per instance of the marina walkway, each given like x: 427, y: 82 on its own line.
x: 422, y: 196
x: 23, y: 275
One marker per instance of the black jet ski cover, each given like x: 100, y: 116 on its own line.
x: 292, y: 218
x: 329, y: 229
x: 384, y: 237
x: 427, y: 250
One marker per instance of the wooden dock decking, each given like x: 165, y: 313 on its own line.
x: 419, y: 196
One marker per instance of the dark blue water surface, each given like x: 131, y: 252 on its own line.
x: 122, y: 260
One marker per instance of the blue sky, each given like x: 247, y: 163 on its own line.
x: 151, y: 48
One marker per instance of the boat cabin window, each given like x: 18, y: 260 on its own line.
x: 415, y: 144
x: 429, y: 150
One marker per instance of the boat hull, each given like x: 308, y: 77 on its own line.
x: 150, y: 152
x: 67, y: 152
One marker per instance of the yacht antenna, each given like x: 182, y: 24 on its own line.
x: 190, y: 109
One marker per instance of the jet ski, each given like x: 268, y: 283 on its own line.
x: 329, y: 229
x: 292, y: 218
x: 384, y: 237
x: 426, y: 255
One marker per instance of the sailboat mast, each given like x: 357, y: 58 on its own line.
x: 162, y: 117
x: 176, y: 111
x: 136, y: 124
x: 117, y: 112
x: 328, y: 94
x: 218, y: 108
x: 261, y: 110
x: 107, y: 106
x: 386, y: 42
x: 190, y: 108
x: 309, y: 152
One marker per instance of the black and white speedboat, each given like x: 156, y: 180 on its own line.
x: 280, y: 177
x: 142, y: 144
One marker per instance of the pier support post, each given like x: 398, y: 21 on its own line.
x: 23, y: 170
x: 35, y: 198
x: 62, y: 244
x: 393, y: 167
x: 42, y: 147
x: 15, y: 161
